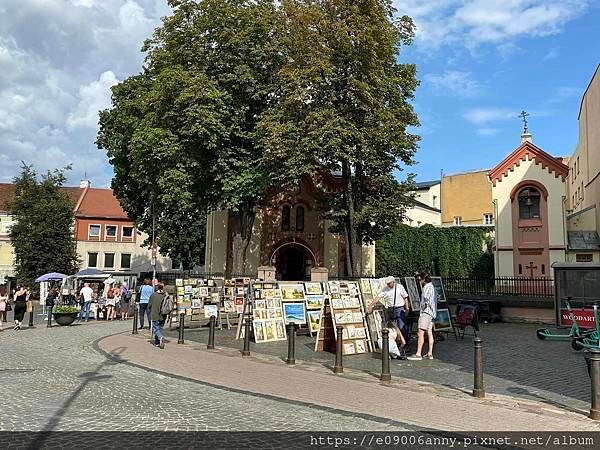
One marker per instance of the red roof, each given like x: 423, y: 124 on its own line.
x: 96, y: 203
x: 100, y: 203
x: 533, y: 152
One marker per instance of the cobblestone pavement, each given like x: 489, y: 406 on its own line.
x: 516, y: 363
x: 54, y: 379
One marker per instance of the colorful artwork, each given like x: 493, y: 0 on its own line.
x: 203, y: 291
x: 376, y: 287
x: 361, y: 346
x: 196, y: 303
x: 229, y: 306
x: 349, y: 348
x: 439, y: 288
x: 442, y: 320
x: 314, y: 301
x: 259, y: 331
x: 365, y: 286
x: 179, y: 282
x: 294, y: 312
x: 211, y: 310
x: 313, y: 288
x: 413, y: 293
x: 280, y: 329
x: 292, y: 291
x: 270, y: 330
x: 314, y: 318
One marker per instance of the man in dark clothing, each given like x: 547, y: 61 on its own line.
x: 158, y: 319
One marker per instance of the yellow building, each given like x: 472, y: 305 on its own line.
x: 583, y: 184
x: 467, y: 199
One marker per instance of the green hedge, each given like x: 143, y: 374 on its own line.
x: 452, y: 251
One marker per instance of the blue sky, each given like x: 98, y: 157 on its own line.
x: 474, y: 82
x: 480, y: 62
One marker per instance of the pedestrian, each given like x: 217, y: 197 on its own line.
x: 20, y: 305
x: 429, y: 299
x: 397, y: 304
x: 158, y: 318
x: 86, y: 296
x: 3, y: 306
x: 118, y: 299
x: 125, y: 302
x: 51, y: 301
x: 144, y: 294
x: 110, y: 304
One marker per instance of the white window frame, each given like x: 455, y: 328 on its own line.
x: 111, y: 238
x: 99, y: 225
x: 127, y: 238
x: 485, y: 219
x: 104, y: 262
x: 88, y: 259
x: 121, y: 260
x: 457, y: 221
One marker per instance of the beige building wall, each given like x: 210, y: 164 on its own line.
x: 528, y: 170
x: 331, y: 244
x: 468, y: 196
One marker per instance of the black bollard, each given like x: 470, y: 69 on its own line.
x: 594, y: 360
x: 135, y: 319
x: 386, y: 376
x: 181, y: 325
x: 478, y: 390
x: 246, y: 351
x: 31, y: 316
x: 211, y: 333
x: 338, y: 368
x: 49, y: 325
x: 291, y: 357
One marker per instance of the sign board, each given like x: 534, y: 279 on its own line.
x: 584, y: 317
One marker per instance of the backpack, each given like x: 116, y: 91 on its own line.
x: 166, y: 306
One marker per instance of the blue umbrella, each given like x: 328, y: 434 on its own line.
x: 54, y: 276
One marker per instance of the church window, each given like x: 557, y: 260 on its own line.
x: 300, y: 218
x: 285, y: 218
x: 529, y: 203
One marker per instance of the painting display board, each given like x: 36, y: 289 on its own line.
x: 442, y: 321
x: 294, y: 303
x: 414, y: 296
x: 315, y: 299
x: 326, y: 338
x: 235, y: 290
x: 193, y: 295
x: 371, y: 290
x: 267, y: 312
x: 347, y: 310
x: 439, y: 287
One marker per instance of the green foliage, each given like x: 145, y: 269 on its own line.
x: 344, y: 104
x: 452, y: 251
x: 42, y: 235
x: 65, y: 309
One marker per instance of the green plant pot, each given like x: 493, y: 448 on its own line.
x: 64, y: 319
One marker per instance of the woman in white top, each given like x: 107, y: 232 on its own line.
x: 428, y: 313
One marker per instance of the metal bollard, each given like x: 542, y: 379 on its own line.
x: 211, y: 333
x: 49, y: 324
x: 478, y: 390
x: 135, y: 319
x: 386, y: 376
x: 338, y: 368
x: 31, y: 317
x: 291, y: 357
x: 246, y: 351
x: 181, y: 325
x: 594, y: 360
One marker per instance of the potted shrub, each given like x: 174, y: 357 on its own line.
x: 65, y: 315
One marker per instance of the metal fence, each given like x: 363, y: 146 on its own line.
x: 502, y: 286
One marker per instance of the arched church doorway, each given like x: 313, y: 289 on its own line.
x: 293, y: 262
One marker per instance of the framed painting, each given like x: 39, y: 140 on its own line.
x: 439, y: 288
x: 314, y: 318
x: 376, y: 286
x: 294, y: 312
x: 442, y: 320
x: 211, y: 310
x: 413, y: 293
x: 314, y: 301
x: 292, y: 291
x: 365, y: 286
x: 313, y: 288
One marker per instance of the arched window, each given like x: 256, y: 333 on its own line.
x: 300, y: 218
x: 285, y: 218
x: 529, y: 203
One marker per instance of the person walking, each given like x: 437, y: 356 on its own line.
x: 3, y: 306
x: 20, y: 305
x: 85, y: 297
x: 125, y: 302
x: 110, y: 304
x: 158, y: 318
x: 51, y: 301
x: 429, y: 299
x: 145, y: 292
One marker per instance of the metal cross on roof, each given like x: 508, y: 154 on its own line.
x: 524, y: 114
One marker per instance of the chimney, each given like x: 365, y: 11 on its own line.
x: 84, y: 184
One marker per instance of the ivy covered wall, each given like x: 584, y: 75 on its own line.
x: 449, y: 252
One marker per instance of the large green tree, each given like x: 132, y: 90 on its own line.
x: 181, y: 135
x: 343, y: 105
x: 42, y: 236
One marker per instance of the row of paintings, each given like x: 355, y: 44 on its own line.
x: 269, y: 330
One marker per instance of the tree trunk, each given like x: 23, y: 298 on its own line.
x: 243, y: 225
x: 349, y: 225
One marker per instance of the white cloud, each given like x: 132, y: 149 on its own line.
x: 58, y: 59
x: 473, y: 23
x: 454, y: 81
x: 93, y: 97
x: 487, y: 132
x: 482, y: 116
x: 563, y: 93
x: 552, y: 54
